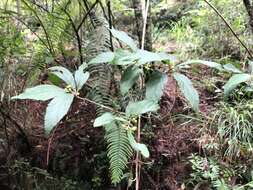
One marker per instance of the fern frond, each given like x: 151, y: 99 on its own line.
x: 100, y: 74
x: 119, y: 150
x: 101, y: 78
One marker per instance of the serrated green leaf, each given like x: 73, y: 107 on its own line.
x: 104, y: 119
x: 57, y: 109
x: 130, y: 76
x: 207, y: 63
x: 81, y: 78
x: 187, y: 89
x: 123, y: 37
x: 41, y: 92
x: 156, y: 85
x: 104, y: 57
x: 64, y: 74
x: 147, y: 57
x: 231, y: 68
x: 234, y: 81
x: 142, y: 148
x: 141, y: 107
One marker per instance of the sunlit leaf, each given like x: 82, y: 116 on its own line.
x: 142, y: 148
x: 81, y: 77
x: 231, y: 68
x: 57, y: 109
x: 187, y: 89
x: 147, y: 57
x: 123, y: 57
x: 104, y: 119
x: 141, y: 107
x: 234, y: 81
x: 104, y: 57
x: 41, y: 92
x: 123, y: 37
x: 206, y: 63
x: 64, y: 74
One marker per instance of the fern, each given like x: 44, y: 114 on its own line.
x: 220, y: 184
x: 56, y: 25
x: 235, y: 127
x: 119, y: 150
x: 101, y: 74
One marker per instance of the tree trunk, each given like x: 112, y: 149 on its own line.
x: 138, y: 19
x: 249, y: 7
x: 138, y: 25
x: 148, y: 38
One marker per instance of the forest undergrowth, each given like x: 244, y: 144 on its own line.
x: 126, y: 95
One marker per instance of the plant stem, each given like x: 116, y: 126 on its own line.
x: 145, y: 7
x: 145, y: 16
x: 100, y: 105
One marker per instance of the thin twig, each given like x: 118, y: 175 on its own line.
x: 49, y: 145
x: 13, y: 13
x: 110, y: 22
x: 76, y: 30
x: 145, y: 16
x: 40, y: 6
x: 89, y: 10
x: 103, y: 10
x: 100, y: 105
x: 230, y: 28
x: 145, y: 7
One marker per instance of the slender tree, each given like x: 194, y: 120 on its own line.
x: 139, y: 24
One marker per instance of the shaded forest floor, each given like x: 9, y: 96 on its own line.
x: 74, y: 155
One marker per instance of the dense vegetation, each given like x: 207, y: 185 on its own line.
x: 140, y: 94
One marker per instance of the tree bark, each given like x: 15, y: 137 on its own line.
x: 138, y: 25
x: 249, y: 7
x: 138, y: 19
x: 148, y: 38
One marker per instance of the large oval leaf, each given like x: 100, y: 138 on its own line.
x: 41, y: 92
x: 123, y: 37
x: 156, y: 85
x: 231, y: 68
x: 57, y: 109
x: 104, y: 119
x: 206, y: 63
x: 234, y: 81
x: 81, y: 78
x: 64, y: 74
x: 138, y: 146
x: 104, y: 57
x: 141, y: 107
x: 147, y: 57
x: 187, y: 89
x: 123, y: 57
x: 130, y: 76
